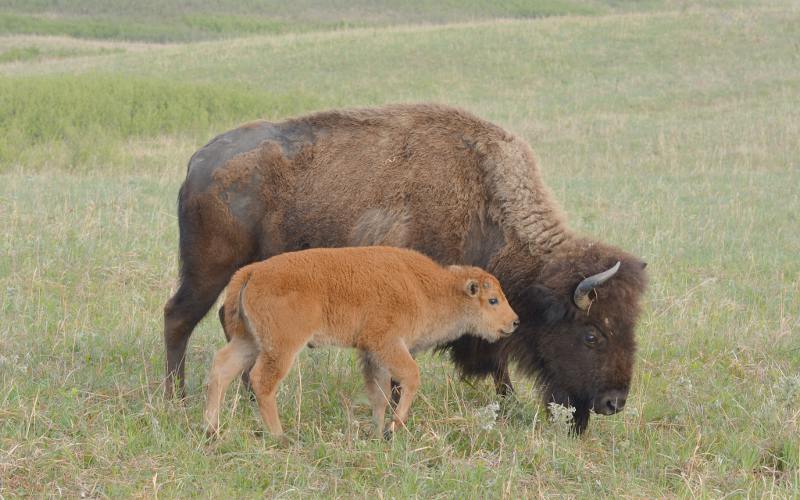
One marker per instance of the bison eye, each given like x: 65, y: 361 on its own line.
x: 590, y: 339
x: 493, y: 301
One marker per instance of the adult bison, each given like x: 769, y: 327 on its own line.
x: 435, y: 179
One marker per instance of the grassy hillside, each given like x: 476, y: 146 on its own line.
x: 182, y: 20
x: 670, y: 130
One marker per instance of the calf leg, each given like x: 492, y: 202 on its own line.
x: 246, y: 372
x: 378, y: 388
x: 229, y: 362
x: 395, y: 393
x: 268, y: 371
x: 402, y: 367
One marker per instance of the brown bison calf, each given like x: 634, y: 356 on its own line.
x: 386, y: 302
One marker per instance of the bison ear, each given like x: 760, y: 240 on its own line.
x: 541, y: 305
x: 471, y: 287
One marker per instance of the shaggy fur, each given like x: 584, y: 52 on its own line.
x: 428, y: 177
x: 386, y: 302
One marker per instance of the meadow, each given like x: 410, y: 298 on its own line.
x: 669, y: 128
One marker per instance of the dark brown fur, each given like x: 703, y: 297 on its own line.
x: 432, y: 178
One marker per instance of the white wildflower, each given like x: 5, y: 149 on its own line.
x: 561, y: 415
x: 487, y: 415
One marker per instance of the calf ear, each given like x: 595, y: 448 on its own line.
x: 540, y: 304
x: 471, y: 287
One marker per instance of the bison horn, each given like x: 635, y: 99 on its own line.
x: 581, y: 296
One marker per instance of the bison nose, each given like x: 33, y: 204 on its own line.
x: 611, y: 402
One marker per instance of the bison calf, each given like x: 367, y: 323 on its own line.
x: 386, y: 302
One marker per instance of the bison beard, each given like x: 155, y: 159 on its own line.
x: 434, y: 179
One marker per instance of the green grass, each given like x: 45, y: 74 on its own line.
x: 182, y: 28
x: 673, y: 131
x: 32, y: 52
x: 181, y: 21
x: 89, y: 119
x: 157, y: 21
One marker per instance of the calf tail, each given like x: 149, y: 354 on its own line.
x: 248, y: 327
x: 237, y: 323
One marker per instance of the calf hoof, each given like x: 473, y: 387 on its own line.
x: 211, y: 433
x: 388, y: 433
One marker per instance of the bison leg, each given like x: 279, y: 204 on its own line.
x: 502, y: 381
x: 181, y: 314
x: 395, y: 393
x: 475, y: 357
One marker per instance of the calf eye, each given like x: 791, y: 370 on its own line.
x: 590, y: 339
x: 493, y: 301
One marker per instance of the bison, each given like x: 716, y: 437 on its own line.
x: 388, y: 303
x: 431, y: 178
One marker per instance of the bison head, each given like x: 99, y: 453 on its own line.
x: 577, y: 328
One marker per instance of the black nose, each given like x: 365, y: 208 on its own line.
x: 611, y: 402
x: 515, y: 324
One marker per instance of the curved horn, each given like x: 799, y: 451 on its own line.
x: 581, y: 296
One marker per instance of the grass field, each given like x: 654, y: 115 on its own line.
x: 669, y: 128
